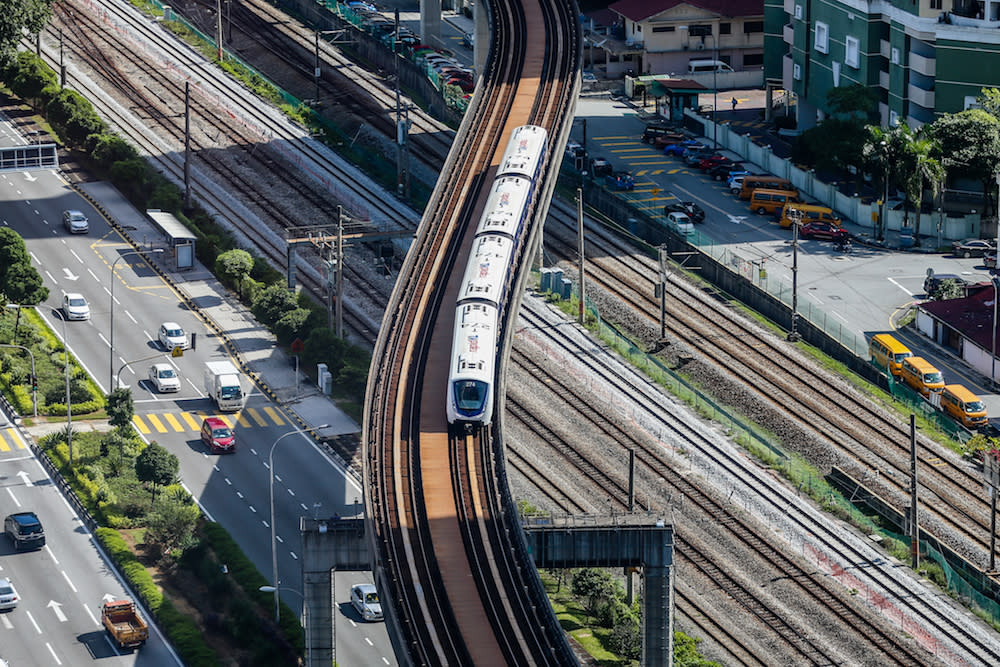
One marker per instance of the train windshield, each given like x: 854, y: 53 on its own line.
x: 470, y: 396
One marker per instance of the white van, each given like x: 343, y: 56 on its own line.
x: 700, y: 66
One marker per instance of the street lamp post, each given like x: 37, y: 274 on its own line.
x: 118, y: 376
x: 274, y: 534
x: 69, y: 405
x: 993, y: 370
x: 111, y: 360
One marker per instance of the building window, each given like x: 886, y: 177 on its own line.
x: 751, y: 27
x: 822, y: 37
x: 935, y: 4
x: 663, y: 28
x: 798, y: 12
x: 753, y: 59
x: 893, y: 119
x: 894, y: 56
x: 725, y: 28
x: 796, y: 72
x: 852, y: 50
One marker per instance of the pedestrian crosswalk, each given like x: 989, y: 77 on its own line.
x: 10, y: 440
x: 179, y: 422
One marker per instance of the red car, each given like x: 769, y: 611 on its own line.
x: 712, y: 161
x: 823, y: 230
x: 217, y: 436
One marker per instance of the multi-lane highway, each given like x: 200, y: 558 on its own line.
x: 231, y: 489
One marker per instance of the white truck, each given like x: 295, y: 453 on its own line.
x: 222, y: 384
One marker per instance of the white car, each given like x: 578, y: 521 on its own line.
x: 164, y: 378
x: 171, y: 335
x: 680, y: 223
x: 8, y: 595
x: 75, y: 307
x: 364, y: 599
x: 75, y: 222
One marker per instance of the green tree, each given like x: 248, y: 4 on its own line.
x: 156, y: 466
x: 970, y: 147
x: 273, y: 302
x: 593, y: 587
x: 922, y: 168
x: 120, y: 407
x: 234, y: 266
x: 625, y: 638
x: 948, y: 289
x: 686, y: 652
x: 853, y: 100
x: 21, y: 15
x: 22, y: 284
x: 290, y: 325
x: 171, y: 523
x: 109, y: 148
x: 31, y: 76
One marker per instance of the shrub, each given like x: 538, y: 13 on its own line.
x: 109, y: 148
x: 273, y: 302
x: 291, y: 325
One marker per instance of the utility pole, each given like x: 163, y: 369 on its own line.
x: 316, y: 71
x: 62, y: 67
x: 793, y: 335
x: 661, y: 288
x: 402, y: 124
x: 218, y: 27
x: 340, y: 272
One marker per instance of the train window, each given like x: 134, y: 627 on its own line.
x: 470, y: 394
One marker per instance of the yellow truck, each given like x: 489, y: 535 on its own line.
x: 124, y: 624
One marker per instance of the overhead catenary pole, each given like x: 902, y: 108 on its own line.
x: 187, y: 144
x: 218, y: 27
x: 579, y: 246
x: 340, y: 272
x: 662, y: 288
x: 914, y: 525
x: 793, y: 335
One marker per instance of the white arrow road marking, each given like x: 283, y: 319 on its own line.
x: 28, y: 177
x: 69, y: 274
x: 737, y: 219
x: 57, y: 609
x: 108, y: 597
x: 25, y: 478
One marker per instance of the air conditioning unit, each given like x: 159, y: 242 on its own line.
x: 700, y: 47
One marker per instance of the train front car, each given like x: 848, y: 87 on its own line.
x: 525, y: 152
x: 473, y: 355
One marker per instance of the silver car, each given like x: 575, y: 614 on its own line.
x: 75, y: 307
x: 8, y: 595
x: 75, y: 222
x: 364, y: 599
x: 164, y: 378
x: 171, y: 335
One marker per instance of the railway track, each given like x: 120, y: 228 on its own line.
x: 858, y: 434
x: 649, y: 413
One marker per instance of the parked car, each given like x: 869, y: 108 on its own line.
x: 574, y: 151
x: 693, y: 157
x: 680, y: 223
x: 75, y: 307
x: 990, y: 260
x: 600, y: 167
x: 75, y: 222
x: 723, y: 171
x: 468, y: 40
x: 8, y: 595
x: 656, y: 130
x: 588, y: 80
x: 620, y: 180
x: 973, y: 247
x: 164, y: 378
x: 692, y: 210
x: 217, y: 436
x: 818, y: 229
x: 677, y: 149
x: 365, y: 600
x: 171, y: 335
x: 669, y: 138
x: 713, y: 161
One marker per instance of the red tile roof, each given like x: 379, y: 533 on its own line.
x: 640, y: 10
x: 971, y: 316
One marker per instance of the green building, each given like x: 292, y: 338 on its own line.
x: 923, y: 58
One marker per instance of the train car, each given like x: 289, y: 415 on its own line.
x: 488, y: 273
x: 473, y: 356
x: 525, y: 152
x: 487, y: 269
x: 506, y: 207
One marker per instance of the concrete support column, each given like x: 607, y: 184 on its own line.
x: 430, y: 22
x: 658, y: 621
x: 481, y: 31
x: 318, y: 606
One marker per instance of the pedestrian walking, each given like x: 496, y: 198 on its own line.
x: 734, y: 103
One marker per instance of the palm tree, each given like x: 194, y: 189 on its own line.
x: 922, y: 166
x: 881, y: 155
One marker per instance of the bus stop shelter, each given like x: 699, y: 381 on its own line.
x: 179, y: 238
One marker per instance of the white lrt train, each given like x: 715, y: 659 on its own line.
x: 489, y: 275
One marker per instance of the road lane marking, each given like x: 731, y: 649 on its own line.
x: 256, y: 417
x: 134, y: 321
x: 73, y: 252
x: 273, y: 414
x: 68, y: 581
x: 53, y: 652
x: 139, y: 424
x: 173, y: 422
x: 32, y: 619
x: 157, y: 424
x: 13, y: 497
x: 186, y: 416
